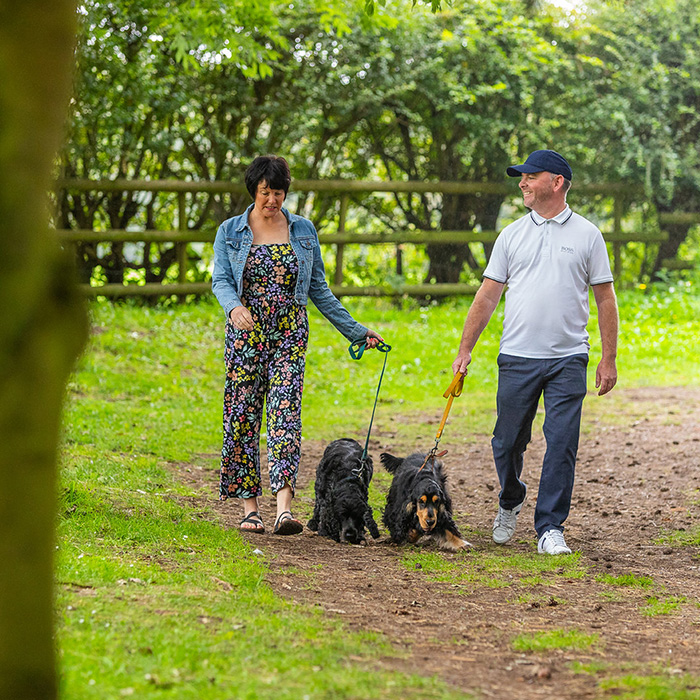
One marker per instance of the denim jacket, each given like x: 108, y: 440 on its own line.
x: 232, y: 246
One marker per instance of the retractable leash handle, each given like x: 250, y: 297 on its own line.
x: 356, y: 350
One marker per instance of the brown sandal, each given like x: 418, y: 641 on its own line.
x: 253, y: 518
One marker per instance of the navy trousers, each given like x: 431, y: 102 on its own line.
x: 521, y: 383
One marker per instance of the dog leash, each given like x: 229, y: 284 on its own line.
x: 356, y: 350
x: 454, y: 390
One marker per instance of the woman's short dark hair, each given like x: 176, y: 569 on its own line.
x: 274, y: 170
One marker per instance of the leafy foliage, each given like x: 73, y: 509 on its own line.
x: 194, y: 91
x: 646, y: 118
x: 144, y: 591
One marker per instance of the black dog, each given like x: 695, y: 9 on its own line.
x: 418, y: 502
x: 341, y: 511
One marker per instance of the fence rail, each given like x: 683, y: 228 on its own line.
x: 181, y: 236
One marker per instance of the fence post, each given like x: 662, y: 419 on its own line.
x: 70, y: 247
x: 340, y: 247
x: 181, y: 246
x: 617, y: 228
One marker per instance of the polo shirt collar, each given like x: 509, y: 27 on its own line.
x: 561, y: 218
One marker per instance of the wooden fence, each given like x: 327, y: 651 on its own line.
x: 343, y: 189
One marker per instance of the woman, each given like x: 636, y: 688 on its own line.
x: 267, y: 263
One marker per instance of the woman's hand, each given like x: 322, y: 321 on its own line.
x: 241, y: 319
x: 373, y: 338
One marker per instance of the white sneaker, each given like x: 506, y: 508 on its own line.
x: 504, y: 524
x: 552, y: 542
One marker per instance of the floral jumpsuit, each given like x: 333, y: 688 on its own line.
x: 264, y: 365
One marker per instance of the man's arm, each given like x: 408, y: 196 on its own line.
x: 606, y: 372
x: 482, y: 308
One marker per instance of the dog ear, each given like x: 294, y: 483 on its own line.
x: 406, y: 522
x: 389, y: 462
x: 447, y: 501
x: 368, y: 470
x: 329, y: 525
x: 370, y: 524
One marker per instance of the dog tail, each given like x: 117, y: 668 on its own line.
x: 390, y: 463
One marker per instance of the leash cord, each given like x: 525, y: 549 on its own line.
x: 356, y: 350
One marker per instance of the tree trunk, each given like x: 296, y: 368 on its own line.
x: 43, y: 328
x: 668, y: 249
x: 685, y: 198
x: 461, y: 212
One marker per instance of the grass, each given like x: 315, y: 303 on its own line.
x: 154, y: 596
x: 627, y: 580
x: 660, y: 687
x: 554, y: 639
x: 662, y: 606
x: 155, y: 599
x: 180, y: 349
x: 681, y: 538
x: 514, y: 570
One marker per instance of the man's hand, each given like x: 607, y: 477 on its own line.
x: 605, y: 376
x: 461, y: 363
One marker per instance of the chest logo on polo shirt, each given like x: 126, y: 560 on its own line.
x: 566, y: 249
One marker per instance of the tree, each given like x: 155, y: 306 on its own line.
x: 453, y: 96
x: 137, y: 111
x: 153, y: 101
x: 43, y: 328
x: 646, y: 119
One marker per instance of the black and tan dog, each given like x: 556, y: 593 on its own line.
x: 418, y: 503
x: 341, y: 511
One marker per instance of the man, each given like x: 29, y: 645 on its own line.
x: 548, y: 259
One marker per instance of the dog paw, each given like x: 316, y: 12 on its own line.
x: 414, y: 535
x: 455, y: 543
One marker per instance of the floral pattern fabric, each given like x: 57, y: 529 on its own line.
x: 264, y: 366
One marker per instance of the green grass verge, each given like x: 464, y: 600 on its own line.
x: 155, y: 599
x: 166, y: 364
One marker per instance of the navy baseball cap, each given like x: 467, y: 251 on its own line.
x: 537, y: 161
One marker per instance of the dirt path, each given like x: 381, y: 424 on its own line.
x: 634, y: 480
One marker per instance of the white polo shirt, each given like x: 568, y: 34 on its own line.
x: 548, y: 266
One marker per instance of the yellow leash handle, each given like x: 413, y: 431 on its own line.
x: 455, y: 389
